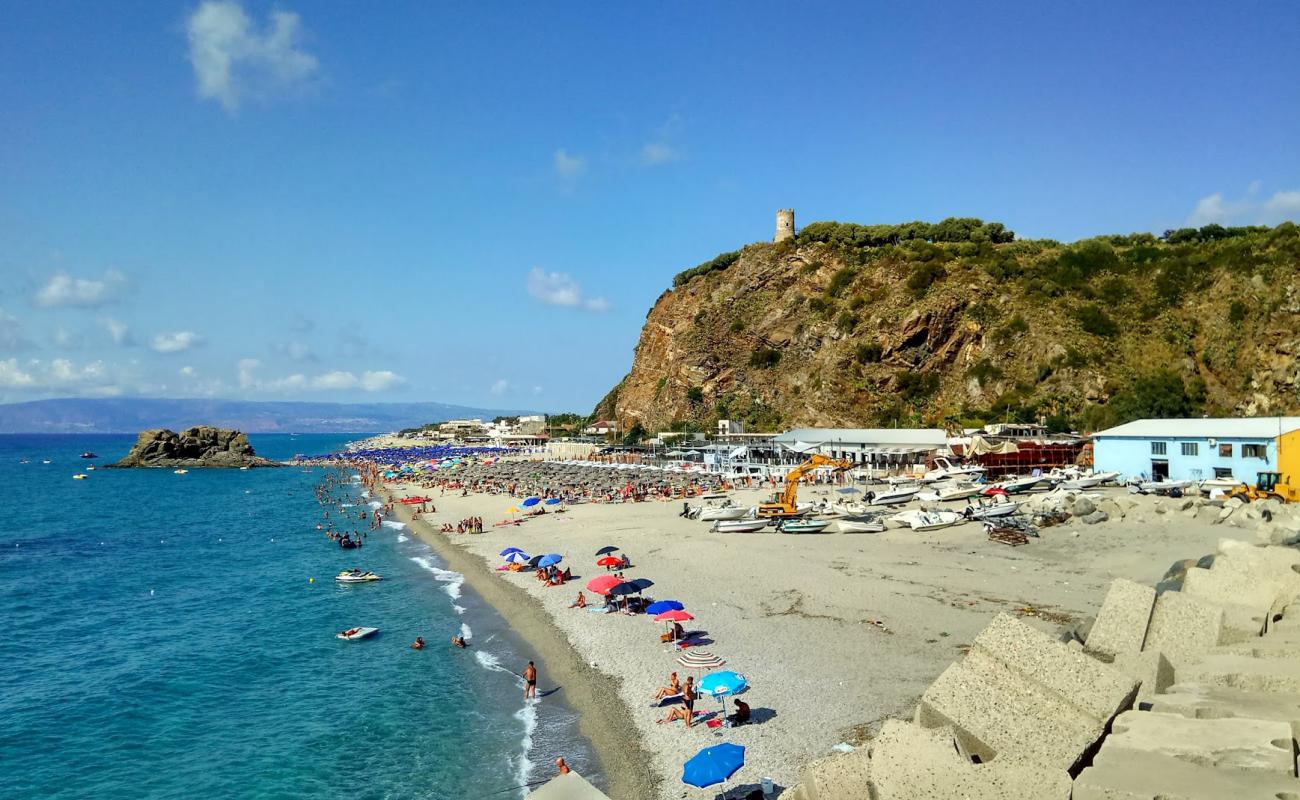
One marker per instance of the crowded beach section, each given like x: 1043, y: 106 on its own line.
x: 827, y: 635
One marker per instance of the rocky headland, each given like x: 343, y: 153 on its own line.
x: 200, y: 446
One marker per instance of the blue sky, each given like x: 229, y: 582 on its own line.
x: 477, y: 203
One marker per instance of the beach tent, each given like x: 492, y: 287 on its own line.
x: 568, y: 787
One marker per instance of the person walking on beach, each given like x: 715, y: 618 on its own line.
x: 530, y: 680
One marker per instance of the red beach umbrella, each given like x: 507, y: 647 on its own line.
x: 603, y: 583
x: 672, y: 616
x: 609, y: 561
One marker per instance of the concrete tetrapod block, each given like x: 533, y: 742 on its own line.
x: 1151, y: 668
x: 910, y: 763
x: 1183, y: 627
x: 1246, y: 600
x: 1130, y: 775
x: 1201, y: 701
x: 842, y: 776
x: 1121, y: 625
x: 1020, y: 694
x: 1244, y: 672
x: 1232, y: 743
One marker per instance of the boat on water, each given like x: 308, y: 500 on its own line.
x: 79, y: 477
x: 892, y: 497
x: 90, y: 468
x: 356, y: 634
x: 89, y: 454
x: 860, y: 525
x: 934, y: 520
x: 941, y: 492
x: 739, y: 525
x: 714, y: 513
x: 357, y: 576
x: 803, y: 525
x: 180, y: 471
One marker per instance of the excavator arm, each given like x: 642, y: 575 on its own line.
x: 790, y: 495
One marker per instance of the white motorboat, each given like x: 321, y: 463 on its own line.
x: 1088, y: 481
x: 356, y: 634
x: 714, y: 513
x: 803, y: 525
x: 893, y: 496
x: 934, y: 520
x: 739, y: 525
x: 1163, y: 487
x: 860, y: 525
x: 1021, y: 484
x: 946, y: 470
x: 941, y: 492
x: 180, y: 471
x: 357, y: 576
x: 992, y: 510
x: 1221, y: 484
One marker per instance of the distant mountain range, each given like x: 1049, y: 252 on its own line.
x: 133, y: 414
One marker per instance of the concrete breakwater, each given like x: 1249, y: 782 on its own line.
x: 1188, y: 693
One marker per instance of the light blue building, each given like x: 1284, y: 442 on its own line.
x: 1192, y: 449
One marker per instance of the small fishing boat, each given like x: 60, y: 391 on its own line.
x: 716, y: 513
x: 179, y: 471
x: 1017, y: 485
x: 357, y: 576
x: 79, y: 477
x: 1221, y: 484
x: 941, y: 492
x: 90, y: 468
x: 89, y: 454
x: 1088, y: 481
x: 993, y: 510
x: 893, y: 496
x: 356, y: 634
x: 739, y: 525
x: 803, y: 525
x: 934, y: 520
x: 1163, y: 486
x: 860, y: 525
x: 946, y: 470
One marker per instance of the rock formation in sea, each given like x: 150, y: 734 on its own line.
x: 200, y: 446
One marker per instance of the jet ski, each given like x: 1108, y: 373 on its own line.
x: 357, y: 576
x: 356, y: 634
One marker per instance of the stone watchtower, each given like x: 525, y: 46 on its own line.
x: 784, y: 225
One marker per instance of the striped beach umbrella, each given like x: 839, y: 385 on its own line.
x: 700, y: 659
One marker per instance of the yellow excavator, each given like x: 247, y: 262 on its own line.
x: 784, y: 504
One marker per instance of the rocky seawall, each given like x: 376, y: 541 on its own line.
x: 200, y: 446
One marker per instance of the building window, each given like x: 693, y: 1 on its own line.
x: 1157, y: 448
x: 1225, y: 451
x: 1191, y: 448
x: 1223, y: 472
x: 1254, y: 451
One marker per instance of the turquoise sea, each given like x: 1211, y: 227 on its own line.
x: 163, y: 640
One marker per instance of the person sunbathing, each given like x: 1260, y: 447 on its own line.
x: 581, y: 602
x: 686, y: 711
x: 673, y: 635
x: 742, y: 714
x: 673, y: 688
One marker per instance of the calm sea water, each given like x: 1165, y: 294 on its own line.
x: 162, y: 639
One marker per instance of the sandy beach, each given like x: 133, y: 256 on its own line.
x: 835, y: 632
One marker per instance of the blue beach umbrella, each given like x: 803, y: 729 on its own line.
x: 721, y: 684
x: 554, y: 501
x: 550, y: 560
x: 713, y: 765
x: 664, y: 605
x: 530, y: 502
x: 510, y: 550
x: 518, y: 558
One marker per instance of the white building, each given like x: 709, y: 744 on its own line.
x: 876, y: 447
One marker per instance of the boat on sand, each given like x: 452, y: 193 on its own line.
x: 739, y: 525
x: 803, y: 525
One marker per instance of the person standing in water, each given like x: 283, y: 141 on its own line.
x: 530, y: 680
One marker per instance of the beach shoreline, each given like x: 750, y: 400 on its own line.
x: 603, y: 719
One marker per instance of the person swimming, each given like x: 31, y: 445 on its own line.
x: 418, y: 644
x: 458, y: 640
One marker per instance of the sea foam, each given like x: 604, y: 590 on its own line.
x: 453, y: 580
x: 397, y: 526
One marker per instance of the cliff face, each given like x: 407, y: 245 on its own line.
x: 824, y: 330
x: 201, y: 446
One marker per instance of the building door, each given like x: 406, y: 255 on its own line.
x: 1159, y: 470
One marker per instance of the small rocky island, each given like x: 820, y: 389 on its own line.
x: 201, y: 446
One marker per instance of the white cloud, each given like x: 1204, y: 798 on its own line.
x: 232, y: 59
x: 187, y: 372
x: 334, y: 380
x: 500, y: 387
x: 567, y: 166
x: 11, y: 333
x: 64, y: 291
x: 560, y: 289
x: 655, y: 153
x: 1248, y: 210
x: 118, y: 332
x: 59, y: 374
x: 175, y: 341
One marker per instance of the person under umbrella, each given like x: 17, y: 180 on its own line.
x: 721, y: 684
